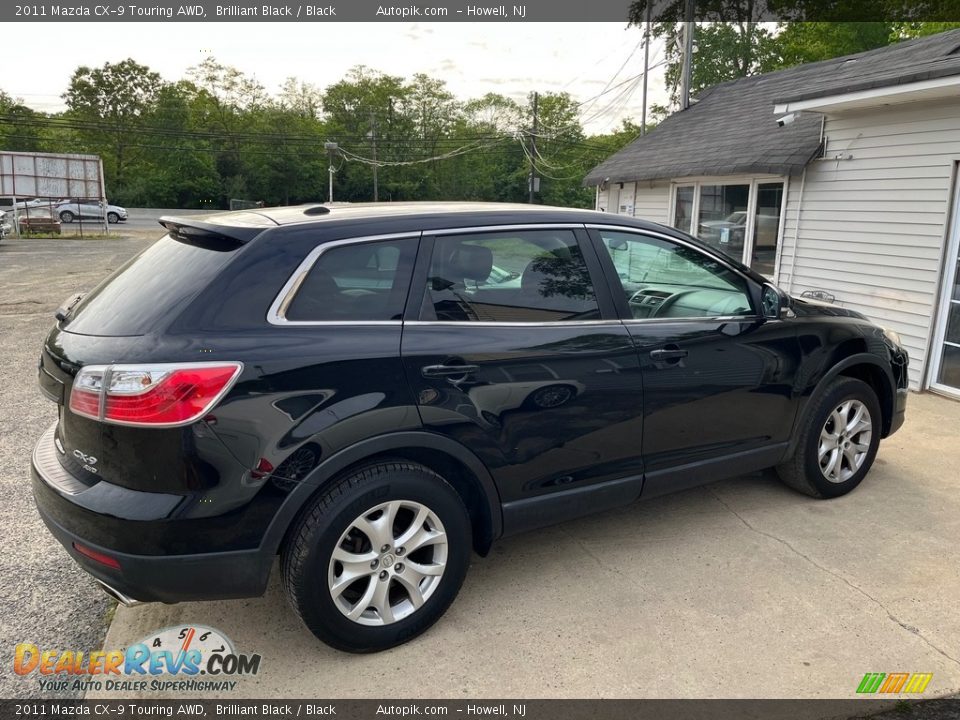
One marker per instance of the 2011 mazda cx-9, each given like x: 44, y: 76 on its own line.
x: 352, y: 389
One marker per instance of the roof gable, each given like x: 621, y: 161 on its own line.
x: 732, y: 129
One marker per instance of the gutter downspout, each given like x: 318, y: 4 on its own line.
x: 796, y: 226
x: 796, y: 231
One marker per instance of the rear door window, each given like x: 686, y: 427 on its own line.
x: 362, y: 281
x: 510, y: 276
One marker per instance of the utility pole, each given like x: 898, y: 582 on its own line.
x: 331, y: 148
x: 687, y: 55
x: 533, y: 148
x: 646, y: 66
x: 373, y: 138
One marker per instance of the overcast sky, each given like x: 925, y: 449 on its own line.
x: 473, y: 58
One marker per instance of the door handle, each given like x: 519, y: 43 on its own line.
x: 667, y: 354
x: 447, y: 370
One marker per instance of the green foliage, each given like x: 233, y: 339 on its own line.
x: 921, y: 29
x: 21, y: 130
x: 804, y: 42
x: 218, y: 134
x: 109, y: 104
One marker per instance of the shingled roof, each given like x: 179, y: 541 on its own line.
x: 732, y: 129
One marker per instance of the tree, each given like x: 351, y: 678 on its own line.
x: 922, y: 29
x: 364, y: 103
x: 185, y: 177
x: 723, y: 51
x: 109, y: 103
x: 302, y: 98
x: 19, y: 125
x: 803, y: 42
x: 224, y: 103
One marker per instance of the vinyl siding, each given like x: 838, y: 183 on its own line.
x: 650, y: 201
x: 872, y: 227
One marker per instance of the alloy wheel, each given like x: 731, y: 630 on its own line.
x: 845, y: 441
x: 388, y: 563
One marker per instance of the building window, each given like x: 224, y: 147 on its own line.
x: 741, y: 220
x: 766, y: 228
x: 683, y: 212
x: 722, y: 219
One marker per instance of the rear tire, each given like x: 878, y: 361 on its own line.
x: 839, y: 442
x: 401, y: 532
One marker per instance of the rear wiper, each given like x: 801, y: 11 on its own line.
x: 64, y: 310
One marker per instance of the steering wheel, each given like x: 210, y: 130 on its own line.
x: 668, y: 302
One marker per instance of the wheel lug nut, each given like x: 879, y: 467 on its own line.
x: 384, y: 548
x: 398, y: 567
x: 374, y: 563
x: 401, y: 551
x: 383, y: 574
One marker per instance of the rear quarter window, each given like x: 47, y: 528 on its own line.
x: 355, y: 282
x: 150, y: 290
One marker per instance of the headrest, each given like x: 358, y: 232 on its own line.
x: 471, y: 262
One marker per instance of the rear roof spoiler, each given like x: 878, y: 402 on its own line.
x: 243, y: 228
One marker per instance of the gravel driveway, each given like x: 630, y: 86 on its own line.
x: 47, y: 600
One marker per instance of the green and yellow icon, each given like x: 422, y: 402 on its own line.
x: 894, y: 683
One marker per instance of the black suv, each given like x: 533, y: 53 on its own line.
x: 373, y: 391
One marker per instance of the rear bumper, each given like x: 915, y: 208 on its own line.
x: 139, y: 578
x: 172, y: 578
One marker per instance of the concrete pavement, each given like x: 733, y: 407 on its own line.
x: 739, y: 589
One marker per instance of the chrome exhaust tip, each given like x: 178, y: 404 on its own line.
x: 124, y: 600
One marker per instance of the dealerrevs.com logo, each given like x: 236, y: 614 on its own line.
x: 190, y: 658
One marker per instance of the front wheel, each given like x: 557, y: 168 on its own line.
x: 839, y: 442
x: 66, y: 216
x: 113, y: 218
x: 378, y: 557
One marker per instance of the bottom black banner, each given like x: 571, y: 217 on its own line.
x: 948, y: 709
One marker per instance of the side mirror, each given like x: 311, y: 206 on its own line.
x: 773, y: 301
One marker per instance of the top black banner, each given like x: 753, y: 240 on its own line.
x: 740, y: 11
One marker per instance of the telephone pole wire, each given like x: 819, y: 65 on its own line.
x: 533, y: 148
x: 373, y: 137
x: 646, y: 66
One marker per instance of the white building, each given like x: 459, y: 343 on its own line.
x: 839, y: 176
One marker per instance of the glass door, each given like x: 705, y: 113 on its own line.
x: 946, y: 370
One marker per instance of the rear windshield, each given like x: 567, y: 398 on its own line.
x: 150, y: 290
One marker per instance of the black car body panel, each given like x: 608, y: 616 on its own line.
x: 534, y: 423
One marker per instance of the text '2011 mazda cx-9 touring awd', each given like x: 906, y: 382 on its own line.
x: 374, y: 391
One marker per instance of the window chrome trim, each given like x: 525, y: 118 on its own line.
x: 493, y: 323
x: 494, y: 228
x: 663, y: 236
x: 712, y: 318
x: 276, y: 315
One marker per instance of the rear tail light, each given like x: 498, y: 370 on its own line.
x: 157, y: 395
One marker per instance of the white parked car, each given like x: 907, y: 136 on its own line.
x: 70, y: 210
x: 45, y: 202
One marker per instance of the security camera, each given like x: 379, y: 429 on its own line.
x: 787, y: 119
